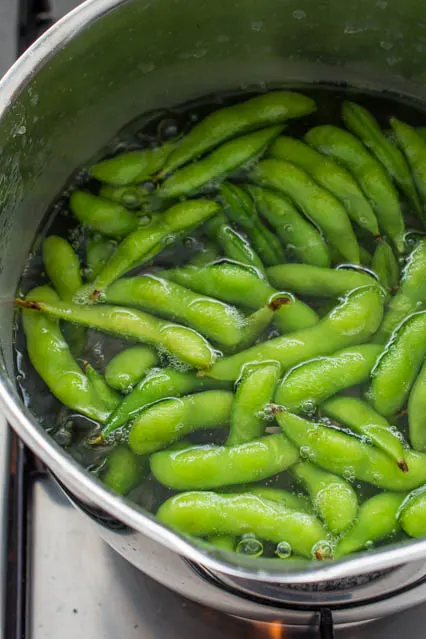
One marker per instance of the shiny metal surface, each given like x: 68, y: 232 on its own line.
x: 107, y: 62
x: 79, y: 587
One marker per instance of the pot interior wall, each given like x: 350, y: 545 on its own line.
x: 147, y: 54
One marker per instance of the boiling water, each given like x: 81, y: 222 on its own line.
x: 72, y: 431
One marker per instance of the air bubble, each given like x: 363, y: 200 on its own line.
x: 283, y: 550
x: 130, y: 198
x: 322, y: 550
x: 308, y: 407
x: 299, y: 14
x: 144, y: 220
x: 250, y: 545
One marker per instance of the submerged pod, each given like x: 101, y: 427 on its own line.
x: 102, y: 215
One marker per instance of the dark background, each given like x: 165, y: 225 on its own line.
x: 22, y: 20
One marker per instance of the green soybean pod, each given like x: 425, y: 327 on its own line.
x: 412, y: 513
x: 364, y: 125
x: 128, y: 367
x: 158, y: 384
x: 397, y: 368
x: 62, y: 266
x: 99, y: 249
x: 236, y: 247
x: 411, y: 295
x: 317, y: 204
x: 209, y: 466
x: 180, y: 341
x: 255, y: 390
x: 417, y: 411
x: 377, y: 520
x: 218, y: 164
x: 132, y: 167
x: 265, y: 110
x: 349, y: 456
x: 363, y: 419
x: 51, y: 357
x: 63, y: 269
x: 108, y: 396
x: 353, y: 321
x: 298, y: 235
x: 102, y: 215
x: 346, y: 149
x: 330, y: 176
x: 131, y: 197
x: 240, y: 208
x: 147, y: 241
x: 414, y: 149
x: 207, y: 513
x: 316, y: 281
x: 314, y: 381
x: 333, y: 498
x: 124, y: 470
x: 385, y: 266
x: 222, y: 542
x: 243, y: 286
x: 283, y: 497
x: 258, y: 322
x: 210, y: 317
x: 166, y: 421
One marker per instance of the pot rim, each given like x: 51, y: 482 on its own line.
x: 76, y: 477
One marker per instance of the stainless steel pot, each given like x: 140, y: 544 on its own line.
x: 100, y: 67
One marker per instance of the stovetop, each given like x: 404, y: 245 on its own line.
x: 60, y: 580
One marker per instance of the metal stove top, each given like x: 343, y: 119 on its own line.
x: 60, y: 580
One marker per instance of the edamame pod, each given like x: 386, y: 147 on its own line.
x: 369, y: 173
x: 417, y: 411
x: 316, y: 203
x: 99, y: 249
x: 210, y: 317
x: 236, y: 284
x: 364, y: 125
x: 305, y: 279
x: 132, y: 197
x: 240, y: 208
x: 414, y: 149
x: 352, y: 322
x: 207, y: 513
x: 166, y: 421
x: 178, y: 340
x: 258, y: 322
x: 377, y: 519
x: 396, y: 370
x: 158, y: 384
x: 300, y: 237
x: 222, y: 542
x: 132, y: 167
x: 63, y: 269
x: 363, y: 419
x: 125, y: 470
x: 50, y: 356
x: 234, y: 246
x: 62, y: 266
x: 385, y: 266
x: 283, y: 497
x: 102, y: 215
x: 218, y: 164
x: 349, y: 456
x: 128, y: 367
x: 410, y: 297
x: 314, y: 381
x: 147, y: 241
x: 209, y: 466
x: 221, y: 125
x: 108, y: 396
x: 255, y: 390
x: 333, y: 498
x: 412, y: 513
x: 330, y: 176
